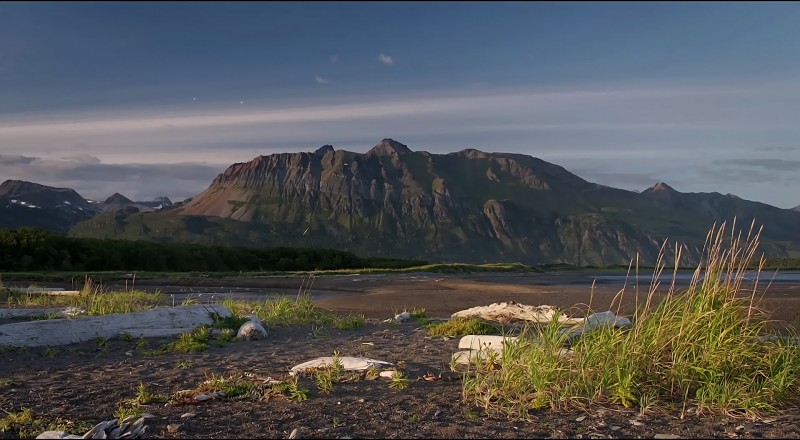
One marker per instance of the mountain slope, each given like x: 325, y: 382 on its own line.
x: 464, y: 206
x: 31, y: 204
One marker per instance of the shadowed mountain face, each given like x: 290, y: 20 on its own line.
x: 30, y: 204
x: 467, y: 206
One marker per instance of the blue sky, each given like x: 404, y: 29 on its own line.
x: 156, y: 98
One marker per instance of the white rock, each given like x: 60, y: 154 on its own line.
x: 202, y: 397
x: 388, y: 374
x: 403, y: 317
x: 295, y: 433
x: 596, y: 321
x: 349, y: 363
x: 187, y: 415
x: 252, y: 330
x: 580, y: 419
x: 467, y: 357
x: 476, y: 342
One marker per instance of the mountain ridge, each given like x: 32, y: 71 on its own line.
x: 467, y: 205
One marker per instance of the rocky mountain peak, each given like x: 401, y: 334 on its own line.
x: 118, y: 198
x: 660, y: 187
x: 323, y: 150
x: 14, y: 188
x: 388, y: 147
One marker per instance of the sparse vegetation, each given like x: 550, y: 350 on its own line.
x: 27, y: 424
x: 463, y: 326
x: 701, y: 347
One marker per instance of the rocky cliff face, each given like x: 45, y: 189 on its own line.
x: 470, y: 206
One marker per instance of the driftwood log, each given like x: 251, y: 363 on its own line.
x: 160, y: 322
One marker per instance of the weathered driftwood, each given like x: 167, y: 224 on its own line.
x: 54, y: 292
x: 28, y: 313
x: 509, y: 312
x: 161, y: 322
x: 348, y: 363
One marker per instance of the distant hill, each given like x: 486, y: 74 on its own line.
x: 118, y: 202
x: 31, y: 204
x: 469, y: 206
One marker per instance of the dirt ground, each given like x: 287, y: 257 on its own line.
x: 87, y: 382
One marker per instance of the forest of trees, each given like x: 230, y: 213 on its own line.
x: 31, y: 249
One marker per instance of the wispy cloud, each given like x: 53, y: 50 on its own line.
x: 320, y: 80
x: 385, y: 59
x: 766, y: 164
x: 616, y: 131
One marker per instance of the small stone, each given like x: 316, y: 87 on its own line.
x: 636, y: 423
x: 361, y: 400
x: 218, y: 394
x: 666, y: 436
x: 580, y: 419
x: 203, y: 398
x: 148, y: 416
x: 173, y: 428
x: 128, y: 353
x: 295, y: 433
x: 187, y: 415
x: 615, y: 427
x: 388, y: 374
x: 403, y: 317
x: 739, y: 428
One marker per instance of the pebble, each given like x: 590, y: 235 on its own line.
x: 187, y: 415
x: 580, y: 419
x: 173, y: 428
x: 295, y: 433
x: 148, y: 416
x: 388, y: 373
x: 636, y: 423
x: 202, y: 397
x: 615, y: 427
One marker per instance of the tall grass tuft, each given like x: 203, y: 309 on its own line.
x: 703, y: 347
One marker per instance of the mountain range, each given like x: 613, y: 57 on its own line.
x: 469, y: 206
x: 59, y: 209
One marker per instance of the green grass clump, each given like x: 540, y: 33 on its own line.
x: 463, y: 326
x: 196, y: 340
x: 27, y: 424
x: 702, y: 347
x: 350, y: 322
x: 282, y: 311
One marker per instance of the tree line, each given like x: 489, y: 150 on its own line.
x: 32, y: 249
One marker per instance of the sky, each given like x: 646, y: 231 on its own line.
x: 157, y: 98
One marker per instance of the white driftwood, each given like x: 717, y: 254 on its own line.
x: 27, y: 313
x: 161, y: 322
x: 349, y: 363
x: 505, y: 312
x: 52, y: 292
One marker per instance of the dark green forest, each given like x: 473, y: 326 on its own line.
x: 31, y: 249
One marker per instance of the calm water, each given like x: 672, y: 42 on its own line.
x: 686, y: 277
